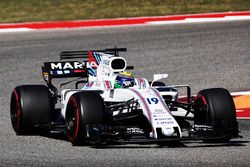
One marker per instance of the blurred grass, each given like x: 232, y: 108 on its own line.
x: 56, y: 10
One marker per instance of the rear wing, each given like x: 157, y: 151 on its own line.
x: 69, y: 69
x: 84, y: 54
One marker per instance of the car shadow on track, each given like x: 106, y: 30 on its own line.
x: 229, y: 144
x: 189, y: 144
x: 182, y: 145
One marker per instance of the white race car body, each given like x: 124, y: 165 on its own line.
x: 149, y: 98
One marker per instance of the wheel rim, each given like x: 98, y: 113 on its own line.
x: 201, y: 108
x: 15, y: 112
x: 72, y: 120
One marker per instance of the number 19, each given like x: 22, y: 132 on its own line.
x: 152, y: 100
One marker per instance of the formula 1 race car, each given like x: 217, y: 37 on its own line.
x: 110, y: 106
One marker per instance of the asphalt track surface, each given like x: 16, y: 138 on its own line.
x: 202, y: 55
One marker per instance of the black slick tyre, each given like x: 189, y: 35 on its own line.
x: 84, y: 109
x: 215, y: 108
x: 30, y: 107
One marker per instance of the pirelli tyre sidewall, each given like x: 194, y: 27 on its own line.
x: 30, y: 108
x: 215, y: 107
x: 84, y: 109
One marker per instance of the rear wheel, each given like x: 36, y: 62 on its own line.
x: 30, y: 107
x: 215, y: 108
x: 84, y: 109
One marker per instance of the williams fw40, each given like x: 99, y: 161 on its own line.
x: 108, y: 105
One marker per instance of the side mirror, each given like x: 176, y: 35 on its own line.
x: 158, y: 77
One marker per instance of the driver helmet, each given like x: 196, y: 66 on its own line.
x: 124, y: 79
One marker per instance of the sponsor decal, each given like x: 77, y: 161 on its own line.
x: 106, y: 62
x: 150, y: 93
x: 135, y: 131
x: 91, y: 64
x: 158, y: 111
x: 66, y: 65
x: 163, y: 119
x: 161, y: 115
x: 63, y: 72
x: 165, y: 123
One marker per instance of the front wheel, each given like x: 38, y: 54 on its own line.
x: 215, y: 108
x: 84, y: 109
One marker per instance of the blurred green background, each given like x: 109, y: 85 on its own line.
x: 56, y: 10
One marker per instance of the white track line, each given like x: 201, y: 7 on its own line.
x: 243, y: 118
x: 200, y: 20
x: 8, y: 30
x: 240, y: 93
